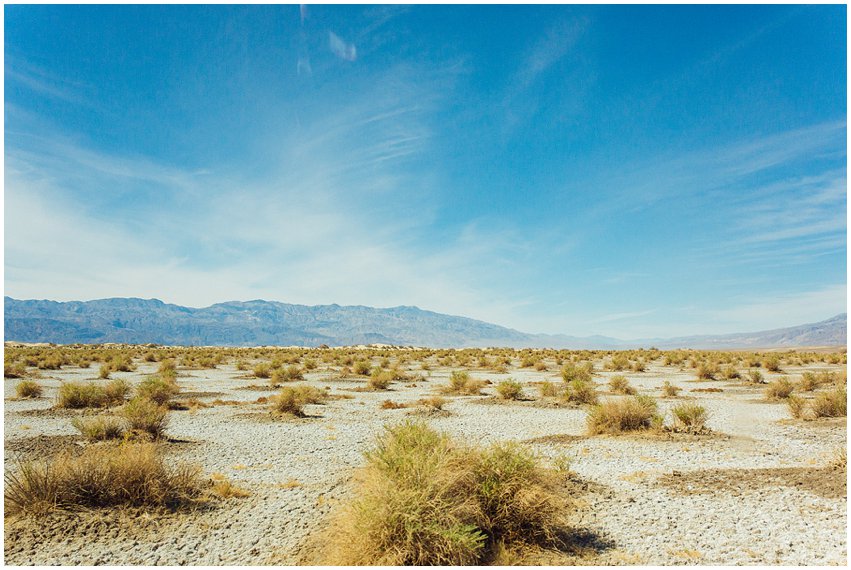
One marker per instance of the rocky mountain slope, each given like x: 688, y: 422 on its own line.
x: 254, y: 323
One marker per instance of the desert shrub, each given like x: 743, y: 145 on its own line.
x: 28, y: 389
x: 422, y: 499
x: 755, y: 376
x: 580, y: 392
x: 116, y: 391
x: 779, y: 389
x: 618, y: 362
x: 669, y: 390
x: 772, y: 364
x: 620, y: 385
x: 99, y: 428
x: 460, y: 382
x: 167, y: 369
x: 14, y: 370
x: 730, y: 373
x: 549, y: 390
x: 509, y: 390
x: 433, y: 403
x: 310, y: 364
x: 626, y: 414
x: 289, y: 374
x: 76, y: 395
x: 689, y: 418
x: 540, y: 366
x: 379, y: 379
x: 639, y: 366
x: 145, y: 417
x: 263, y: 370
x: 798, y: 407
x: 810, y: 380
x: 571, y: 372
x: 362, y: 367
x: 832, y: 404
x: 104, y: 371
x: 224, y: 489
x: 391, y: 405
x: 157, y: 390
x: 102, y: 476
x: 707, y: 371
x: 292, y: 399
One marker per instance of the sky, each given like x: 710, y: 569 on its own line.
x: 631, y: 171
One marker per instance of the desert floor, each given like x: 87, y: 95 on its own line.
x: 758, y: 490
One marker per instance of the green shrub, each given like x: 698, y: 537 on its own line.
x: 362, y: 367
x: 76, y: 395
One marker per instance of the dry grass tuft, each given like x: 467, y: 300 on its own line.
x: 580, y: 392
x: 28, y: 389
x: 391, y: 405
x: 832, y: 404
x: 292, y: 399
x: 379, y: 379
x: 461, y: 383
x: 157, y: 389
x: 689, y: 418
x: 549, y: 390
x: 669, y: 390
x: 779, y: 389
x: 224, y: 489
x: 625, y: 414
x: 509, y: 390
x: 620, y: 385
x: 99, y: 428
x: 425, y: 500
x: 145, y: 418
x: 102, y: 476
x: 77, y: 395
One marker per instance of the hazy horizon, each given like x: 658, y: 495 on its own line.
x: 626, y: 171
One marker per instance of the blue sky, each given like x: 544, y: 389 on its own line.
x: 628, y: 171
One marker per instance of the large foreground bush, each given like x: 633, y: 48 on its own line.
x: 102, y: 476
x: 423, y: 499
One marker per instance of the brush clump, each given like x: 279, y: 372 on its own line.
x: 423, y: 499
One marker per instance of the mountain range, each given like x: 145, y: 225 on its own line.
x: 257, y: 323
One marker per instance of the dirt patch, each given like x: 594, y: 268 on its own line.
x: 818, y: 423
x: 42, y: 446
x: 59, y: 413
x: 188, y: 395
x: 559, y: 438
x: 822, y: 481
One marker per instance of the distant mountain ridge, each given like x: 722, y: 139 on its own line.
x: 255, y: 323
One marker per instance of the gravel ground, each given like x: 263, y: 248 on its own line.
x: 650, y: 501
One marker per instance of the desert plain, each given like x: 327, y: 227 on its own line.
x: 745, y: 483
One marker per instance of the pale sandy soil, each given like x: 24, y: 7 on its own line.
x: 756, y: 492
